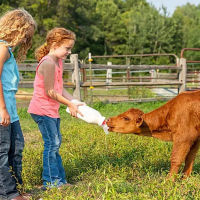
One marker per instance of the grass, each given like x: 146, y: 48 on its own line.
x: 135, y: 92
x: 100, y: 166
x: 132, y: 92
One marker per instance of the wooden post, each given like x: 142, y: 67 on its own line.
x: 91, y: 86
x: 153, y: 75
x: 198, y: 78
x: 128, y: 74
x: 108, y: 75
x: 76, y: 76
x: 85, y: 93
x: 182, y: 74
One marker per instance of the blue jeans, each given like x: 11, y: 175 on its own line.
x: 11, y: 147
x: 53, y: 172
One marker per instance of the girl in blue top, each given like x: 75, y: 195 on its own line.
x: 16, y: 30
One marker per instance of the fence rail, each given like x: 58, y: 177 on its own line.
x: 86, y: 79
x: 87, y: 84
x: 130, y: 67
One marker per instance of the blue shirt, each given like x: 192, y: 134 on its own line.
x: 10, y: 81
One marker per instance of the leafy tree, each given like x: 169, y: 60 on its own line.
x: 80, y: 17
x: 114, y: 26
x: 188, y: 17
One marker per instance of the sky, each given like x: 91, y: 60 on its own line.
x: 172, y: 4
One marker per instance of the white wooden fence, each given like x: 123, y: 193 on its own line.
x: 83, y: 80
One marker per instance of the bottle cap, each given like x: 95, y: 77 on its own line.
x: 104, y: 122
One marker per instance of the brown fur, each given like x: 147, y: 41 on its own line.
x: 178, y: 121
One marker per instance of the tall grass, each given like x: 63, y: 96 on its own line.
x: 100, y: 166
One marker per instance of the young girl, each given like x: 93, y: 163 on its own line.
x: 16, y: 30
x: 47, y: 96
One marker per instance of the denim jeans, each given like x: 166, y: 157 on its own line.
x: 53, y: 172
x: 11, y: 147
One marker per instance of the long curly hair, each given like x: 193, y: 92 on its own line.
x: 17, y: 28
x: 55, y: 37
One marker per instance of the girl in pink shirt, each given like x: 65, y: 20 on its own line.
x: 47, y: 96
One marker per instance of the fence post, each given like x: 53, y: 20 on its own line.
x: 108, y: 75
x: 153, y: 75
x: 128, y: 74
x: 182, y: 74
x: 76, y: 76
x: 91, y: 86
x: 85, y: 93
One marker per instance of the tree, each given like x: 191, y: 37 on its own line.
x: 188, y: 17
x: 113, y: 31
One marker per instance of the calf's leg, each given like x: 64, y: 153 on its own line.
x: 189, y: 161
x: 179, y: 153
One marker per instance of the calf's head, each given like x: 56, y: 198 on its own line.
x: 127, y: 122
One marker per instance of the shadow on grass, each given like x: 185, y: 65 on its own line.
x: 134, y: 159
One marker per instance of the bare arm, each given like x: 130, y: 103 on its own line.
x: 67, y: 95
x: 47, y: 69
x: 5, y: 118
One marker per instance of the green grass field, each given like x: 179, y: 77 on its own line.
x: 100, y: 166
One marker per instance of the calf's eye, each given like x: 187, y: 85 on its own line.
x: 126, y: 118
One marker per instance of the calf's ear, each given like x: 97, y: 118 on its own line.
x: 139, y: 121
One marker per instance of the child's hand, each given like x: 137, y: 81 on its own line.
x: 5, y: 117
x: 73, y: 108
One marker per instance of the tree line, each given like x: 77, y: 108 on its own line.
x: 107, y: 27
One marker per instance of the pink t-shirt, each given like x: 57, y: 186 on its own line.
x: 41, y: 104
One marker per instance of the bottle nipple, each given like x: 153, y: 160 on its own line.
x: 105, y: 127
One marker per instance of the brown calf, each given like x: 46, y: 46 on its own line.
x: 178, y: 121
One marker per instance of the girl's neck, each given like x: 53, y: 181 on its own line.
x: 55, y: 59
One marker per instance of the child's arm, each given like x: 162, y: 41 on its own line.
x: 67, y: 95
x: 5, y: 118
x: 47, y: 69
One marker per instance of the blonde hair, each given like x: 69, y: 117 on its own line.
x: 17, y: 28
x: 55, y: 37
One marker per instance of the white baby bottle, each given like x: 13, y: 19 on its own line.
x: 90, y: 115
